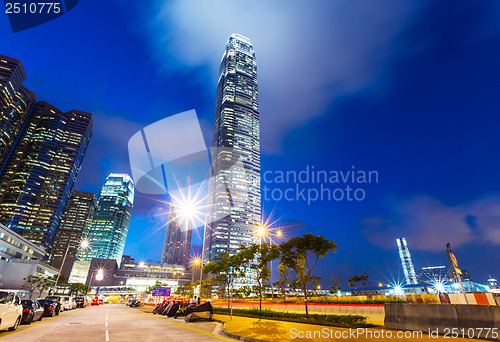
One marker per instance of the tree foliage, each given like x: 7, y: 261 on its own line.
x: 356, y: 280
x: 302, y: 253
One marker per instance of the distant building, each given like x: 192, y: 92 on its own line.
x: 74, y: 228
x: 138, y: 275
x: 38, y: 176
x: 20, y: 258
x: 109, y: 228
x: 433, y: 273
x: 177, y: 242
x: 406, y: 262
x: 493, y: 283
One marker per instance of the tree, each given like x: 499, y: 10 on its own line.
x: 301, y: 254
x: 226, y: 268
x: 38, y: 283
x: 79, y: 289
x: 358, y: 279
x: 284, y: 278
x: 335, y: 287
x: 257, y: 257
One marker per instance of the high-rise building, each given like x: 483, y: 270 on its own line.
x: 16, y: 103
x: 406, y: 262
x: 39, y: 174
x: 234, y: 186
x: 73, y: 229
x: 177, y: 242
x: 433, y: 274
x: 109, y: 228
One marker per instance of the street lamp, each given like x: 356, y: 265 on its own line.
x: 84, y: 244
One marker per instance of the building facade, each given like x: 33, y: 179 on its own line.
x: 19, y: 259
x: 177, y: 244
x: 74, y: 228
x: 109, y: 227
x: 233, y: 204
x: 38, y: 176
x: 406, y: 262
x: 433, y: 274
x: 16, y: 103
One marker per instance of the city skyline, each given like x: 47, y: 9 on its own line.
x: 415, y: 106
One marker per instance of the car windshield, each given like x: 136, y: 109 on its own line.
x: 26, y: 303
x: 52, y: 298
x: 45, y: 301
x: 5, y: 297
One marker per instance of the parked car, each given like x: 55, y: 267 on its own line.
x: 94, y: 301
x: 11, y: 310
x: 81, y: 302
x: 135, y: 302
x: 51, y: 307
x: 60, y: 302
x: 68, y: 303
x: 32, y: 311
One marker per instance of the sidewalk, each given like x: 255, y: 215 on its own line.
x: 255, y: 329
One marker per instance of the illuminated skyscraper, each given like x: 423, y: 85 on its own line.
x: 406, y: 262
x: 73, y: 229
x: 109, y: 228
x: 177, y: 242
x: 234, y: 187
x: 38, y: 176
x: 16, y: 103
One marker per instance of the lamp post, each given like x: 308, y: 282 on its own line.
x: 83, y: 244
x: 262, y: 231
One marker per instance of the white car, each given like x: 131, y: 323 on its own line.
x: 69, y: 303
x: 11, y: 310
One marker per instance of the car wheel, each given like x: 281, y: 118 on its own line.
x: 16, y: 325
x: 57, y: 312
x: 41, y: 316
x: 29, y: 321
x: 51, y: 313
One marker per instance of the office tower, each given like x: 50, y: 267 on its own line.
x: 406, y: 262
x: 109, y: 228
x: 177, y: 242
x: 234, y: 188
x: 73, y: 229
x: 39, y: 174
x: 16, y: 103
x: 433, y: 274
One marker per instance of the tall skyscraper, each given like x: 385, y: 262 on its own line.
x: 39, y: 174
x: 109, y: 228
x: 406, y: 262
x: 16, y: 103
x: 177, y: 242
x: 74, y: 228
x: 236, y: 138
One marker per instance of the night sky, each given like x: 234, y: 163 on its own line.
x: 408, y: 89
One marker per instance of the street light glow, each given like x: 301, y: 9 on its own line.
x: 84, y: 244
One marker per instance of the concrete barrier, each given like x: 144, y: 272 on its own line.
x: 466, y: 320
x: 442, y: 316
x: 473, y: 317
x: 395, y: 315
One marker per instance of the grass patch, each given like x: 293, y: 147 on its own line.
x: 343, y: 321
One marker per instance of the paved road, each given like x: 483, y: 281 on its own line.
x: 113, y: 322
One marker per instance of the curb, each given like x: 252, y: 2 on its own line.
x: 226, y: 333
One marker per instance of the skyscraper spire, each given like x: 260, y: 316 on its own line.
x: 406, y: 262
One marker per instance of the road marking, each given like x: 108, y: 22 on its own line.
x: 7, y: 333
x: 106, y: 324
x: 107, y: 335
x: 191, y: 328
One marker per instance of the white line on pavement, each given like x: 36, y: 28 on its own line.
x: 107, y: 335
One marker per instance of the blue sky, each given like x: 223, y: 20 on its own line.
x: 409, y: 89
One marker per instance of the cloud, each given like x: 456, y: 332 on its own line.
x: 308, y: 54
x: 428, y: 224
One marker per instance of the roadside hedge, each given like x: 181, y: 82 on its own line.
x: 343, y: 321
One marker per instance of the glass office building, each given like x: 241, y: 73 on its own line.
x: 109, y: 228
x: 177, y: 242
x: 74, y: 228
x: 234, y: 199
x: 38, y: 176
